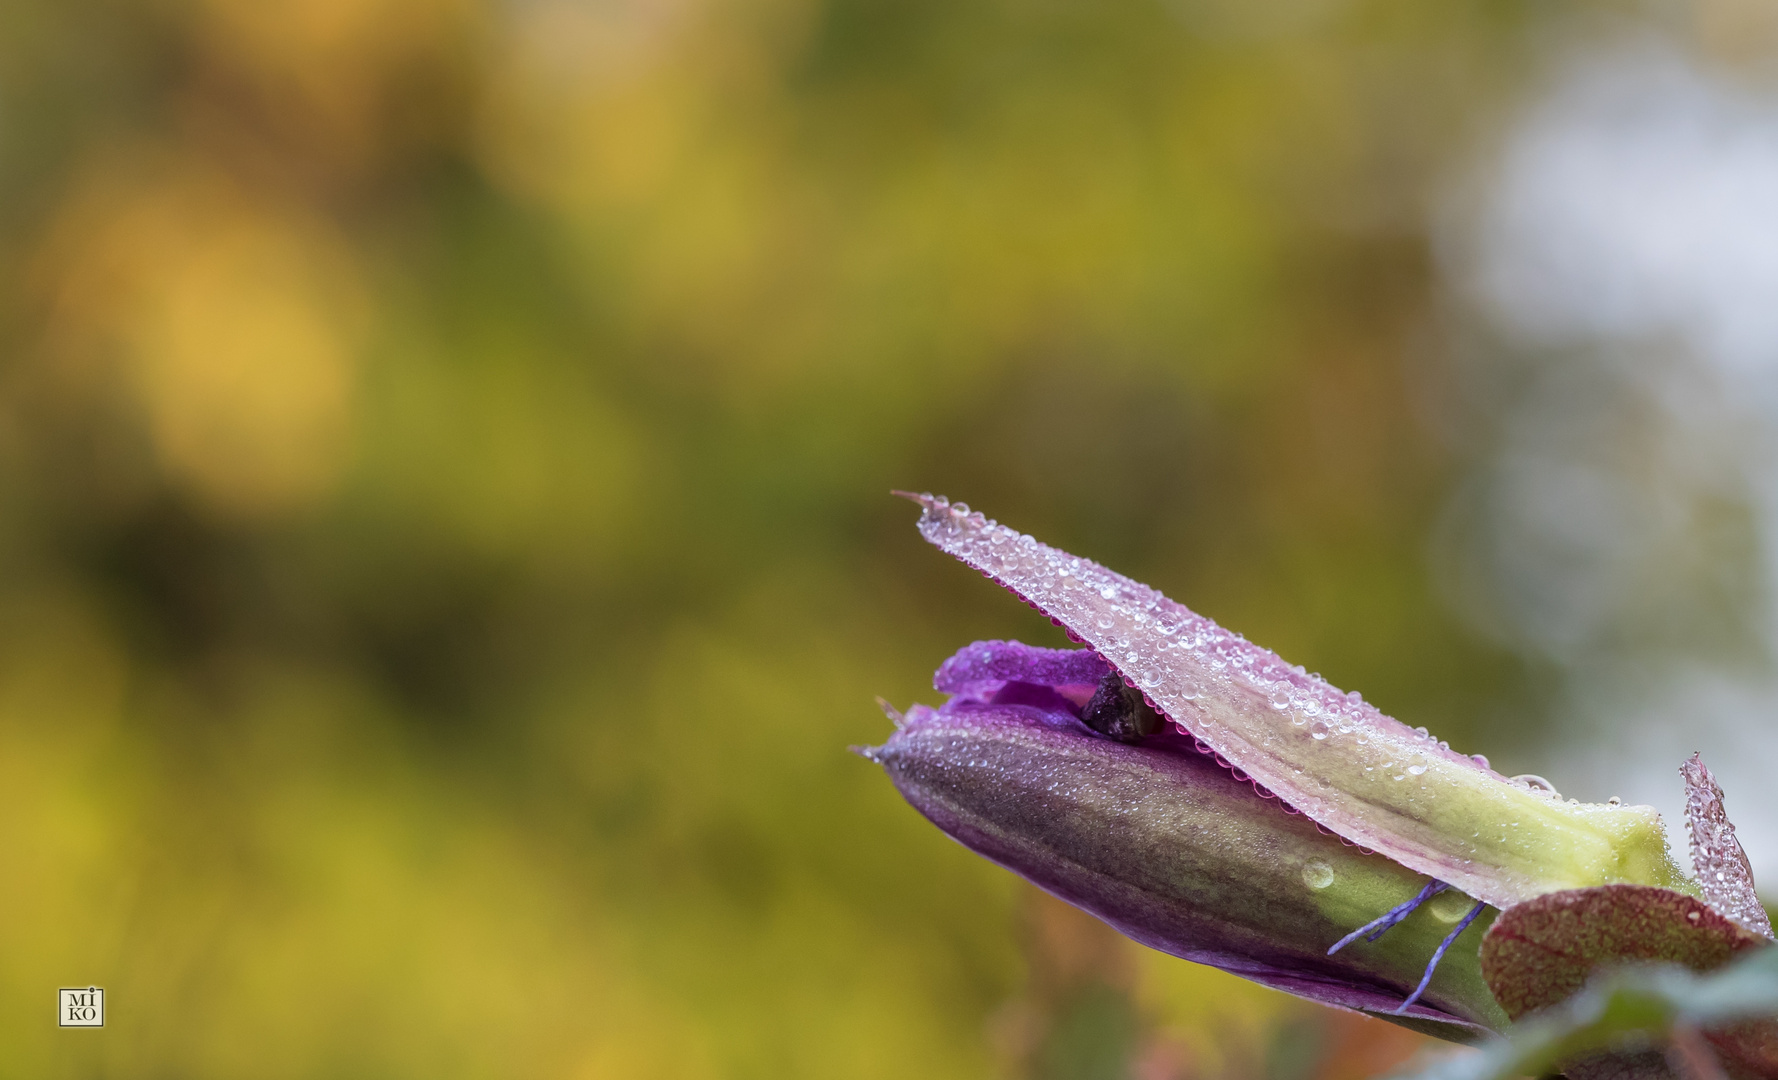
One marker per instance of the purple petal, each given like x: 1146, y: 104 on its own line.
x: 1722, y: 868
x: 1338, y: 760
x: 975, y: 666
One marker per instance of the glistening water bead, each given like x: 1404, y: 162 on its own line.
x: 1317, y: 874
x: 1449, y: 906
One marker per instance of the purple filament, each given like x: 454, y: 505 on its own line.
x: 1373, y: 930
x: 1439, y: 954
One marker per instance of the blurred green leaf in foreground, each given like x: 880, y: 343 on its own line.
x: 1652, y: 1014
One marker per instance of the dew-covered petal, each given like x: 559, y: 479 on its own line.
x: 976, y: 666
x: 1332, y: 756
x: 1724, y: 874
x: 1178, y: 853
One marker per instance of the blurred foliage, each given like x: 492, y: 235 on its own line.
x: 444, y: 548
x: 1648, y: 1020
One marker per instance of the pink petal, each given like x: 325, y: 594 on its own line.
x: 1722, y: 868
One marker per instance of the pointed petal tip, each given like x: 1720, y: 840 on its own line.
x: 942, y: 513
x: 1724, y: 873
x: 872, y: 754
x: 895, y: 715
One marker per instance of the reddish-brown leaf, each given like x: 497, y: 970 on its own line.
x: 1540, y: 952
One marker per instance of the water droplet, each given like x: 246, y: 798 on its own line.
x: 1450, y: 905
x: 1317, y: 874
x: 1108, y: 593
x: 1537, y: 783
x: 1481, y: 760
x: 1417, y: 770
x: 1279, y: 697
x: 1318, y: 730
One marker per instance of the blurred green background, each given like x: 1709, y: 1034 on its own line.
x: 445, y: 549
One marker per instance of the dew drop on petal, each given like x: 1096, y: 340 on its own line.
x: 1417, y: 770
x: 1317, y: 874
x: 1450, y: 905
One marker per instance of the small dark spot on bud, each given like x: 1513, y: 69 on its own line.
x: 1118, y: 712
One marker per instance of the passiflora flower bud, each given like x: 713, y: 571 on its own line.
x: 1175, y: 851
x: 1214, y: 802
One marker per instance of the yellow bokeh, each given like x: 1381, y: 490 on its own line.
x: 444, y: 545
x: 235, y: 325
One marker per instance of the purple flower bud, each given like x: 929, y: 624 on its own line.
x: 1173, y: 850
x: 1208, y: 799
